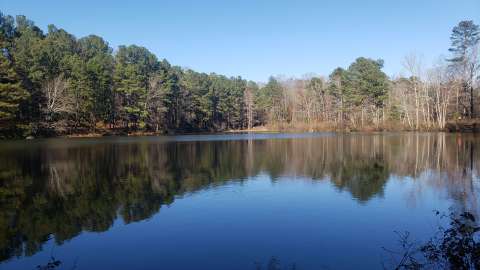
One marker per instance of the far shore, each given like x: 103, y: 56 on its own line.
x: 472, y: 126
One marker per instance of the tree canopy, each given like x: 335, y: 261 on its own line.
x: 52, y: 83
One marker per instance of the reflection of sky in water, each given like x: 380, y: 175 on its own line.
x: 315, y: 223
x: 233, y: 225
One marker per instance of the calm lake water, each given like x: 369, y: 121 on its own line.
x: 319, y: 201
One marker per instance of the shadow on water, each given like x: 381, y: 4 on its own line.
x: 61, y: 188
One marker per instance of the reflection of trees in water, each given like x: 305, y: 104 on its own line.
x: 62, y: 190
x: 446, y: 163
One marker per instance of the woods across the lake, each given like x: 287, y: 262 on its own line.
x: 52, y: 83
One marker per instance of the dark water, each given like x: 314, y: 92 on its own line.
x: 321, y: 201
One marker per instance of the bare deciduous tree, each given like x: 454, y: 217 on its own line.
x: 441, y: 86
x: 58, y: 99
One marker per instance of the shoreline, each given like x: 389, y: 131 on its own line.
x: 450, y: 128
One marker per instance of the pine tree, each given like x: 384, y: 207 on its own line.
x: 80, y: 87
x: 12, y: 94
x: 465, y: 38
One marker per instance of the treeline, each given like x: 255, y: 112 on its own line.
x: 53, y: 83
x: 363, y: 97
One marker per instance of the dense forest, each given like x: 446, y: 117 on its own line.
x: 52, y: 83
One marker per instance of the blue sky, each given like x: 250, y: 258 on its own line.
x: 256, y: 39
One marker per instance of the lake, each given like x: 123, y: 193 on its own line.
x: 239, y: 201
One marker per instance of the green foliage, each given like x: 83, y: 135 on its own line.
x: 269, y: 99
x: 464, y: 37
x: 339, y: 83
x: 367, y: 83
x: 12, y: 95
x: 465, y: 41
x: 134, y: 66
x: 316, y: 86
x: 99, y: 64
x: 194, y: 87
x: 224, y: 101
x: 81, y: 90
x: 69, y: 85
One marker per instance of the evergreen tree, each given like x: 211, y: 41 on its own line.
x: 369, y: 83
x: 465, y: 39
x: 80, y: 88
x: 12, y: 94
x: 270, y: 99
x: 59, y: 84
x: 99, y: 68
x: 133, y: 69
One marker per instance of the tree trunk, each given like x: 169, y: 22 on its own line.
x: 472, y: 114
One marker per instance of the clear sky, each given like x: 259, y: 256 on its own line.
x: 256, y: 39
